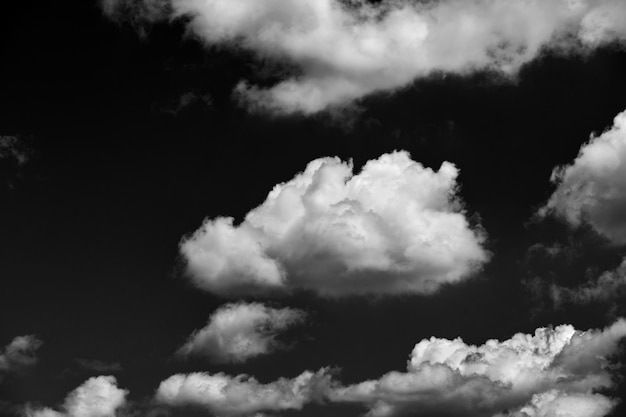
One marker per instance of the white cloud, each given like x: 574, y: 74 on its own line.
x: 593, y: 188
x: 239, y: 331
x: 19, y: 354
x: 225, y: 395
x: 554, y: 369
x: 96, y: 397
x: 345, y: 50
x: 395, y: 227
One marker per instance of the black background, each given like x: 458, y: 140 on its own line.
x: 135, y: 138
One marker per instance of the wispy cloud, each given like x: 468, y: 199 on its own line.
x: 12, y: 148
x: 240, y: 331
x: 21, y: 353
x: 99, y: 366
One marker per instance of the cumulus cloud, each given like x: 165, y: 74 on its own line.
x: 239, y: 331
x: 19, y: 354
x: 395, y: 227
x: 97, y: 397
x: 384, y: 46
x: 525, y: 376
x: 241, y: 395
x: 593, y: 188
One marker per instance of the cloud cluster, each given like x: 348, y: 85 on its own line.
x: 96, y: 397
x: 241, y: 395
x: 384, y: 46
x: 525, y: 376
x: 593, y: 188
x: 19, y: 354
x: 395, y: 227
x: 237, y: 332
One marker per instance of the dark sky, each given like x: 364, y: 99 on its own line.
x: 133, y: 138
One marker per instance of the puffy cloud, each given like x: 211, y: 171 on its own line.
x: 395, y: 227
x: 19, y: 354
x: 545, y: 374
x: 97, y: 397
x: 593, y: 188
x: 384, y: 46
x: 239, y: 331
x: 225, y: 395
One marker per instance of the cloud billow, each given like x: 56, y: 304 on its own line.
x: 396, y: 227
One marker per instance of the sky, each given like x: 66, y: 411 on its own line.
x: 338, y: 208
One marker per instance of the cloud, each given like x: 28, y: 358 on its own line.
x: 558, y: 404
x: 239, y: 331
x: 611, y: 285
x: 241, y: 395
x: 524, y: 376
x: 19, y: 354
x: 396, y: 227
x: 593, y: 188
x: 384, y: 46
x: 137, y: 13
x: 96, y: 397
x: 12, y: 148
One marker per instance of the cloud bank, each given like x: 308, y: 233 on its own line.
x: 592, y: 189
x: 241, y: 395
x: 345, y: 50
x: 19, y: 354
x: 239, y: 331
x: 395, y: 227
x: 525, y: 376
x: 97, y: 397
